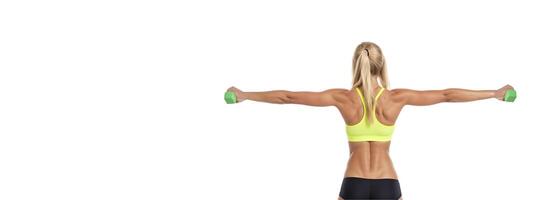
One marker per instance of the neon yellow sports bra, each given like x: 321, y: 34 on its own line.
x: 364, y: 132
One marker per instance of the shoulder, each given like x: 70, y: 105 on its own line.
x: 337, y: 91
x: 399, y: 91
x: 339, y: 94
x: 400, y: 94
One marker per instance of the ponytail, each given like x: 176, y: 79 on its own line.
x: 369, y: 62
x: 362, y: 77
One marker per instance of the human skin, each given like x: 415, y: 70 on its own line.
x: 370, y: 159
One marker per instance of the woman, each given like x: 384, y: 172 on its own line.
x: 370, y: 173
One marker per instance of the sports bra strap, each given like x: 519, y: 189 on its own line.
x: 363, y: 100
x: 379, y: 93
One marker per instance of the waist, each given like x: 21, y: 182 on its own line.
x: 378, y: 165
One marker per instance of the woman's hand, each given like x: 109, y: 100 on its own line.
x: 499, y: 94
x: 238, y: 93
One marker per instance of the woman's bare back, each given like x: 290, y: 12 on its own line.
x: 370, y: 159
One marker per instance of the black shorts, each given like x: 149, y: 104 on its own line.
x: 363, y: 188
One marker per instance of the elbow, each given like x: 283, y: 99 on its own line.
x: 447, y: 98
x: 448, y: 95
x: 281, y: 101
x: 283, y: 98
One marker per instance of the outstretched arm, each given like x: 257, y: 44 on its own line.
x: 330, y: 97
x: 430, y: 97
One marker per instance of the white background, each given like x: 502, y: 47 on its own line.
x: 124, y: 99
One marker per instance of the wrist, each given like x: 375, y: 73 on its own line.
x: 245, y: 95
x: 497, y: 94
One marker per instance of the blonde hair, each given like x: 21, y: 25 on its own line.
x: 369, y: 62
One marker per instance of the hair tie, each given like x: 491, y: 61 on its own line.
x: 367, y: 52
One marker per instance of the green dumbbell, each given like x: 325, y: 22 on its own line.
x: 230, y: 97
x: 510, y: 95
